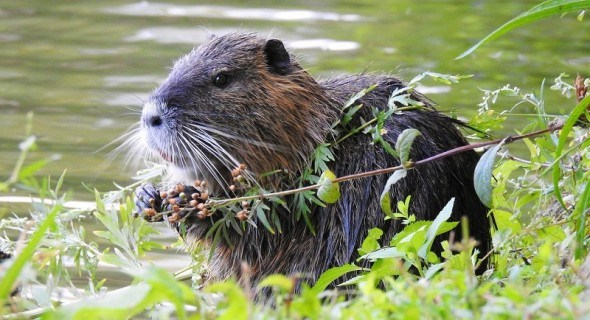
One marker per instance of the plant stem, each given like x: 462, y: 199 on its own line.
x: 23, y: 154
x: 508, y: 139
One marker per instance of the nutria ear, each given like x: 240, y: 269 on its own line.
x: 277, y: 57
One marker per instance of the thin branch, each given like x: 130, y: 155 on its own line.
x: 508, y: 139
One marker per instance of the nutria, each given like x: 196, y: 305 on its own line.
x: 241, y: 98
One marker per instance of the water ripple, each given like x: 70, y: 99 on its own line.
x: 145, y: 8
x: 198, y: 35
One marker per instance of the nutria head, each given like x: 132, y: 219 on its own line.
x: 236, y: 99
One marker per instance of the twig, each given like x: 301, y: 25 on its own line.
x: 448, y: 153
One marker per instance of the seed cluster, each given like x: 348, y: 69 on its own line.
x: 238, y: 179
x: 182, y: 201
x: 179, y: 202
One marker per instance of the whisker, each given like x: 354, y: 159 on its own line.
x: 211, y: 169
x: 257, y: 143
x: 207, y: 142
x: 204, y: 159
x: 122, y: 140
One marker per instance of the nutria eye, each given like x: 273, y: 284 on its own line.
x: 221, y: 80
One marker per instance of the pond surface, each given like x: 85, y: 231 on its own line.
x: 84, y: 68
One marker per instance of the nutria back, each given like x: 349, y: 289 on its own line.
x: 241, y: 98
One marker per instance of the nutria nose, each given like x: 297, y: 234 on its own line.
x: 154, y: 121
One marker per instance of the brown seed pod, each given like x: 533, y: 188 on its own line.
x: 172, y: 193
x: 193, y: 203
x: 179, y: 188
x: 245, y: 204
x: 242, y: 215
x: 204, y: 184
x: 200, y: 215
x: 195, y: 196
x: 232, y: 188
x: 197, y: 183
x: 150, y: 212
x: 176, y: 208
x: 206, y: 212
x: 173, y: 218
x: 242, y: 166
x: 200, y: 206
x: 172, y: 201
x: 235, y: 173
x: 204, y: 196
x: 163, y: 195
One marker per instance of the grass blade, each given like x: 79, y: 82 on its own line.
x: 540, y: 11
x: 26, y: 254
x: 567, y: 127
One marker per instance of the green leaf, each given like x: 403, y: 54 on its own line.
x: 166, y: 288
x: 413, y: 241
x: 215, y: 234
x: 580, y: 213
x: 20, y: 261
x: 332, y: 274
x: 329, y: 192
x: 274, y: 217
x: 433, y: 269
x: 385, y: 199
x: 100, y: 207
x: 321, y: 156
x: 551, y: 232
x: 118, y: 304
x: 117, y: 260
x: 348, y: 116
x: 307, y: 305
x: 235, y: 304
x: 31, y: 169
x: 357, y: 96
x: 432, y: 231
x: 567, y: 127
x: 482, y: 177
x: 262, y: 216
x: 159, y: 286
x: 401, y: 97
x: 540, y: 11
x: 371, y: 242
x: 284, y: 283
x: 384, y: 253
x: 444, y: 78
x: 60, y: 181
x: 404, y: 144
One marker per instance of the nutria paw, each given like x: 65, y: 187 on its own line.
x: 147, y: 197
x: 149, y: 202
